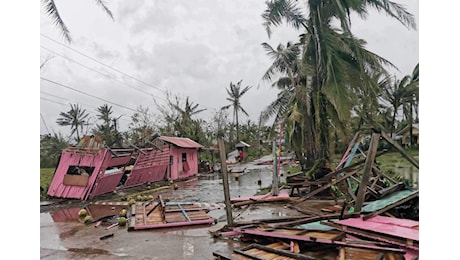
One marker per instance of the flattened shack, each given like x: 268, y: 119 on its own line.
x: 89, y: 169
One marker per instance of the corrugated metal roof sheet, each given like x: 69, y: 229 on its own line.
x: 181, y: 142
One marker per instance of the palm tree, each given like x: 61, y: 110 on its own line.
x: 185, y: 125
x: 108, y: 129
x: 235, y: 93
x: 340, y: 65
x: 141, y: 127
x: 52, y: 11
x: 75, y: 118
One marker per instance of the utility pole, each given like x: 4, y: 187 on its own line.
x: 275, y: 173
x: 223, y: 159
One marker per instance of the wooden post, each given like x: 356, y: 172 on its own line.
x: 367, y: 171
x: 275, y: 174
x: 223, y: 158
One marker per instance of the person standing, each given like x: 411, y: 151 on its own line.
x: 241, y: 155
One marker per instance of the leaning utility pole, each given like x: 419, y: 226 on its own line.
x: 223, y: 159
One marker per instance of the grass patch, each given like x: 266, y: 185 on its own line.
x: 46, y: 175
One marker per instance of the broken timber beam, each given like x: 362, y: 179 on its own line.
x: 367, y: 171
x: 311, y: 194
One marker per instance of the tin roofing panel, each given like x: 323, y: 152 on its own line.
x: 181, y: 142
x: 401, y: 228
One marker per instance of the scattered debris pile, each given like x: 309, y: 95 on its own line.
x: 161, y: 214
x: 374, y: 216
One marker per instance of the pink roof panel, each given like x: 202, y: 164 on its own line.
x: 385, y: 225
x: 181, y: 142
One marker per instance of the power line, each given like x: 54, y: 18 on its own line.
x: 105, y: 75
x: 84, y: 93
x: 64, y: 98
x: 103, y: 63
x: 43, y: 120
x: 54, y: 101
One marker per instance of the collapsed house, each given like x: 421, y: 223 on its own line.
x: 376, y: 218
x: 90, y: 169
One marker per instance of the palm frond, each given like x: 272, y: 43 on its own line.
x: 53, y: 13
x: 104, y: 7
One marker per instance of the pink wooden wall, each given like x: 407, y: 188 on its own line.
x: 151, y: 166
x: 72, y: 158
x: 177, y: 167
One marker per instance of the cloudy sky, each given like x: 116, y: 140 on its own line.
x: 187, y: 48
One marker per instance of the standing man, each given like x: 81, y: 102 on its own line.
x: 241, y: 155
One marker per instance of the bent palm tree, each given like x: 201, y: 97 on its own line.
x: 75, y: 118
x: 340, y: 64
x: 235, y: 94
x: 53, y: 13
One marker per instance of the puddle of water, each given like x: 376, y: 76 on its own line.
x: 62, y: 229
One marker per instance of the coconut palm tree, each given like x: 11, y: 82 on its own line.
x: 108, y: 129
x: 76, y: 118
x: 52, y: 11
x: 341, y: 66
x: 185, y: 125
x: 235, y: 93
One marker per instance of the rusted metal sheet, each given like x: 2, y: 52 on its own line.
x: 181, y: 142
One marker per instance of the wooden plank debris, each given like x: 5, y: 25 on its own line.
x: 162, y: 215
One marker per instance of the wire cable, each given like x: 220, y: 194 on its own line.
x: 84, y: 93
x: 93, y: 59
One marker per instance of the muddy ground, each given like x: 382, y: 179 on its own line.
x: 63, y: 236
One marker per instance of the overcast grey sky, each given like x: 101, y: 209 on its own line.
x: 191, y: 48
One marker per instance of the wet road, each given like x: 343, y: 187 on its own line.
x: 62, y: 236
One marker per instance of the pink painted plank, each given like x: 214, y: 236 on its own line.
x: 116, y: 161
x: 379, y: 227
x: 175, y: 224
x: 151, y: 174
x: 235, y: 232
x: 57, y: 187
x: 394, y: 221
x: 281, y: 194
x: 106, y: 184
x: 320, y: 240
x: 410, y: 254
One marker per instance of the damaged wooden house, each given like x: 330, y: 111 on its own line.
x: 90, y: 169
x: 376, y: 218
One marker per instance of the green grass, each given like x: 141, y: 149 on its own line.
x: 46, y: 175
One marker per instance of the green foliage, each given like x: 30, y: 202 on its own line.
x: 141, y: 128
x: 50, y: 149
x: 107, y: 130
